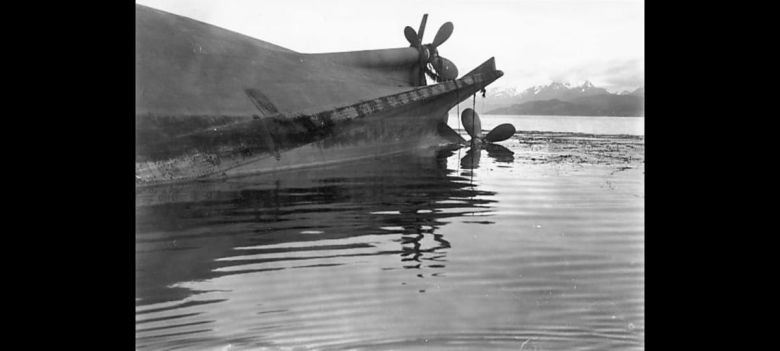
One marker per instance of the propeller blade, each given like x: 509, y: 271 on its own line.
x: 411, y: 37
x: 421, y: 31
x: 500, y: 133
x: 471, y: 123
x: 443, y: 34
x: 445, y: 68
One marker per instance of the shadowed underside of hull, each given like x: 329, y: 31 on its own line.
x: 212, y: 103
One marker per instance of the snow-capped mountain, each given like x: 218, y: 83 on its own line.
x: 502, y: 93
x: 560, y: 91
x: 565, y: 98
x: 499, y: 97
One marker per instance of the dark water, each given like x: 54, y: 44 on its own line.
x: 537, y: 245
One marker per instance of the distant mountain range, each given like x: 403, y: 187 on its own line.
x: 564, y: 99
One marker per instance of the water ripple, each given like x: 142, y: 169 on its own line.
x: 407, y: 252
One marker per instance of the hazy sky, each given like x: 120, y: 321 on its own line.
x: 533, y: 41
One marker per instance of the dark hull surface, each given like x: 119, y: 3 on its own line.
x: 192, y: 124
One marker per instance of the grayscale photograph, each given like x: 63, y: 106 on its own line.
x: 389, y: 175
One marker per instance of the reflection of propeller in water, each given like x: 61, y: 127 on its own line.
x: 494, y: 151
x: 499, y: 153
x: 471, y: 160
x: 473, y: 126
x: 429, y: 53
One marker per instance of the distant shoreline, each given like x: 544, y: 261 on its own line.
x: 562, y: 124
x: 541, y: 115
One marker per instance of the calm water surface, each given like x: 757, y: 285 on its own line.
x: 573, y: 124
x: 537, y: 245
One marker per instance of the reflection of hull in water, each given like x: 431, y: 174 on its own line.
x: 183, y: 229
x: 212, y: 103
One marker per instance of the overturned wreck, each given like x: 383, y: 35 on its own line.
x: 211, y: 103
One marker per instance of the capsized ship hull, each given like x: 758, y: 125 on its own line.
x: 211, y: 103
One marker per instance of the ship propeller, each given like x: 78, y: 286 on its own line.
x: 429, y: 53
x: 473, y: 126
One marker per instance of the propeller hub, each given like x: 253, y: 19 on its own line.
x: 445, y: 69
x: 432, y: 53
